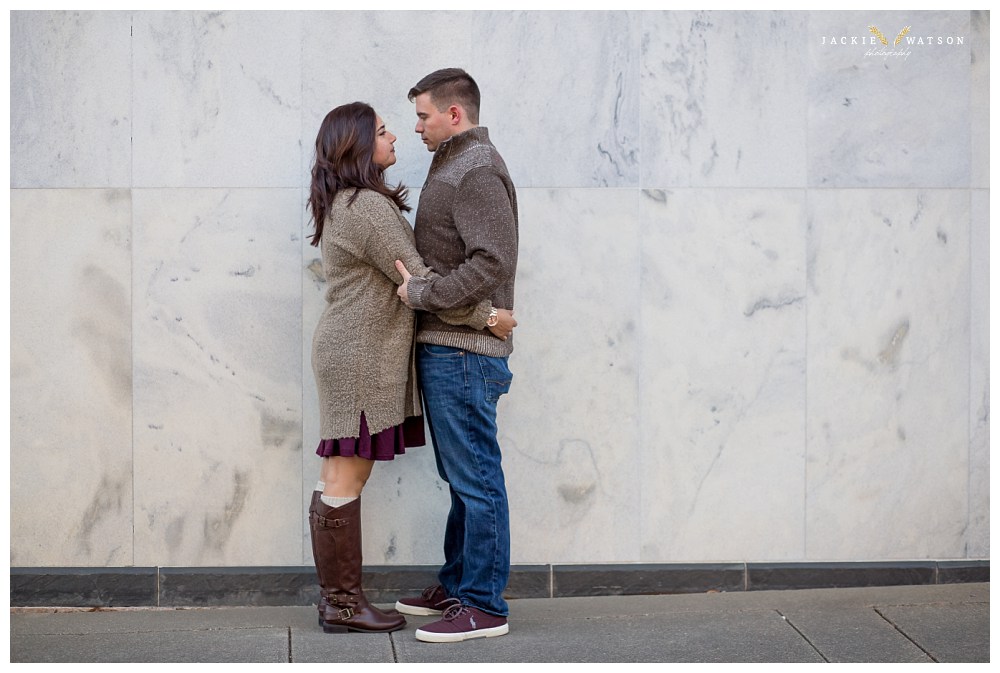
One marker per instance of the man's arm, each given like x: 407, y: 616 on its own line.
x: 505, y: 323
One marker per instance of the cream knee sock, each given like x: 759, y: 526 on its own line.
x: 331, y: 501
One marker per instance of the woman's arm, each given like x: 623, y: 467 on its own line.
x: 388, y: 238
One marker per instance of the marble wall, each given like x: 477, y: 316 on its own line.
x: 753, y: 283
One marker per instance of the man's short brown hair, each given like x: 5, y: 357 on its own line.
x: 448, y: 86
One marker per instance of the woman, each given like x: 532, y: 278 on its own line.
x: 362, y: 349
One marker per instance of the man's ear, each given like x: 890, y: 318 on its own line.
x: 456, y: 113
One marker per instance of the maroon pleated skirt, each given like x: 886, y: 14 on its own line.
x: 384, y: 445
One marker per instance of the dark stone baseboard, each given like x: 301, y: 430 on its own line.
x: 83, y: 587
x: 654, y: 578
x: 763, y: 577
x: 296, y: 585
x: 963, y: 572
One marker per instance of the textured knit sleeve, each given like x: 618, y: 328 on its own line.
x: 474, y: 316
x: 484, y: 217
x: 384, y: 237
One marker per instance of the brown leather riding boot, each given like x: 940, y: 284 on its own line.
x: 323, y: 604
x: 319, y: 570
x: 337, y: 552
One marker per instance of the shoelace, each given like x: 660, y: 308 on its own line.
x: 454, y: 612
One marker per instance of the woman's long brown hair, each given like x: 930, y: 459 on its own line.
x: 345, y: 147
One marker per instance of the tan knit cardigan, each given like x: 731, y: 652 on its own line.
x: 362, y: 353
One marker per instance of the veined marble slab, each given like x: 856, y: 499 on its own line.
x: 561, y: 99
x: 71, y: 99
x: 888, y: 374
x: 220, y: 99
x: 218, y: 384
x: 722, y: 374
x: 894, y: 115
x: 723, y: 101
x: 71, y: 377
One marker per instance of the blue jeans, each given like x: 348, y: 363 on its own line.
x: 461, y: 390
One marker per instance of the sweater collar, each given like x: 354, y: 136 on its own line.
x: 457, y: 143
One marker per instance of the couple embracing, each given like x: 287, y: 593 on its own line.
x: 434, y: 305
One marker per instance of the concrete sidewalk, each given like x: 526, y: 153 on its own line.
x: 945, y: 623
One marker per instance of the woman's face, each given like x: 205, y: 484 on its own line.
x: 385, y: 154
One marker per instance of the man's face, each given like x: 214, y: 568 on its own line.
x: 433, y: 126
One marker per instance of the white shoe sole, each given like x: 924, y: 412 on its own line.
x: 415, y: 610
x: 431, y: 637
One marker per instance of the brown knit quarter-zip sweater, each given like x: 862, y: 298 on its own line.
x: 362, y: 351
x: 466, y: 230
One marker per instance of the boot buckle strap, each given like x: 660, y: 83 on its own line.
x: 323, y: 522
x: 344, y: 604
x: 343, y: 599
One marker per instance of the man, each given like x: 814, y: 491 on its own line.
x: 466, y: 230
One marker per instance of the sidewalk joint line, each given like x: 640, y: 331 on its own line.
x: 290, y: 644
x: 905, y: 635
x: 392, y: 646
x: 803, y: 636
